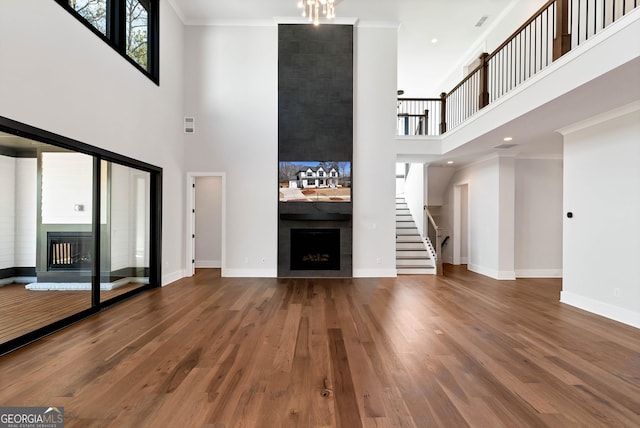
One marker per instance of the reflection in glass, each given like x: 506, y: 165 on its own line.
x: 45, y: 234
x: 125, y: 229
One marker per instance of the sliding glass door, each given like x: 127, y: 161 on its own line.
x: 46, y: 235
x: 79, y: 230
x: 125, y: 230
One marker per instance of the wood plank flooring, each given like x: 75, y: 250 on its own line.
x: 414, y: 351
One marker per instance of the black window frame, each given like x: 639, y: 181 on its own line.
x: 20, y: 129
x: 116, y: 33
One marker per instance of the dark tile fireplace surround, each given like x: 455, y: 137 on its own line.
x: 315, y: 123
x: 314, y: 235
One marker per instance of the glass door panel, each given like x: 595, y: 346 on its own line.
x: 46, y: 244
x: 125, y: 229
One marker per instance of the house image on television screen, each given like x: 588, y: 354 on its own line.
x: 315, y: 181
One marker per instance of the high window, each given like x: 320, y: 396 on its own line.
x: 128, y: 26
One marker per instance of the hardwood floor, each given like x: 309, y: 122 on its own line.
x: 413, y: 351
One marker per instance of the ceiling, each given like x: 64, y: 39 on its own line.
x: 14, y: 145
x: 422, y: 64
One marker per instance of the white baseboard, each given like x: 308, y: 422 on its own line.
x: 505, y: 275
x: 464, y: 260
x: 597, y: 307
x: 375, y: 273
x: 208, y: 264
x: 168, y: 278
x: 538, y: 273
x: 250, y: 273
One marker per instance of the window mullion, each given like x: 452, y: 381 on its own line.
x: 117, y: 24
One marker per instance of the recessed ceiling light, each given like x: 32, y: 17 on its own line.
x: 450, y: 162
x: 504, y: 146
x: 434, y: 40
x: 508, y: 138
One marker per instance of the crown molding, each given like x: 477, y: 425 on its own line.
x: 598, y: 119
x: 301, y: 20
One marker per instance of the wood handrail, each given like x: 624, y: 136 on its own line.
x: 558, y: 27
x: 418, y: 99
x: 469, y: 76
x: 433, y: 222
x: 522, y: 27
x: 438, y: 243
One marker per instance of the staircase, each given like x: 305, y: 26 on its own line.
x: 412, y: 255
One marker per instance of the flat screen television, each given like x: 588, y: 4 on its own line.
x: 317, y: 181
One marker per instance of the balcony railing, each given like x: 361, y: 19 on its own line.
x: 551, y: 32
x: 419, y: 116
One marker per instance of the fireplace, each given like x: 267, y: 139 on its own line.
x: 68, y: 251
x: 315, y: 249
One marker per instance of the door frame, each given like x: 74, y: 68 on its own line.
x: 190, y: 266
x: 457, y: 222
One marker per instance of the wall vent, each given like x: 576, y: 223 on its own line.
x: 481, y: 21
x: 189, y: 125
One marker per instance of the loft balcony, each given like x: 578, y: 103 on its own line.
x: 548, y: 61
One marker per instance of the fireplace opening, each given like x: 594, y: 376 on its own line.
x: 68, y: 251
x: 315, y: 249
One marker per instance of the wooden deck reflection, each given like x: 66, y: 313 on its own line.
x: 23, y: 311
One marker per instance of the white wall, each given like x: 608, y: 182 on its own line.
x: 437, y: 179
x: 67, y: 180
x: 375, y: 128
x: 491, y: 216
x: 506, y: 217
x: 414, y: 189
x: 496, y: 32
x: 17, y: 212
x: 231, y: 89
x: 538, y: 218
x: 129, y: 217
x: 602, y: 240
x: 464, y: 224
x: 208, y: 220
x: 74, y: 84
x: 7, y: 211
x: 26, y: 212
x: 120, y: 217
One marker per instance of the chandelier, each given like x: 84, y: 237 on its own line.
x: 312, y: 9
